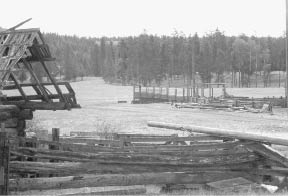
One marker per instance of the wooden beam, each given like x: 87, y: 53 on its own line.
x: 35, y: 97
x: 116, y: 180
x: 18, y: 86
x: 221, y: 132
x: 12, y: 87
x: 268, y: 153
x: 40, y: 105
x: 112, y: 190
x: 44, y: 92
x: 53, y: 82
x: 75, y: 168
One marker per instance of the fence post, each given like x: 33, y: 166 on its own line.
x: 202, y: 91
x: 134, y: 88
x: 167, y: 93
x: 175, y: 94
x: 140, y: 92
x: 224, y: 91
x: 4, y: 163
x: 210, y: 92
x: 55, y: 138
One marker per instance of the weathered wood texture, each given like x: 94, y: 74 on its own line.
x: 117, y: 180
x: 221, y: 132
x: 4, y: 164
x: 73, y: 168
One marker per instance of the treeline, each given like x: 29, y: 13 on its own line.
x: 150, y: 58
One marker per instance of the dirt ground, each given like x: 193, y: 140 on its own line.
x: 99, y: 106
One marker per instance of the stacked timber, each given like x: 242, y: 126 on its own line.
x: 13, y: 119
x: 205, y: 157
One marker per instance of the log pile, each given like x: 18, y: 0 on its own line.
x: 205, y: 158
x: 13, y: 119
x: 247, y: 106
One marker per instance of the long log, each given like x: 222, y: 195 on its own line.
x: 111, y: 155
x: 75, y: 168
x: 117, y: 180
x: 220, y: 132
x: 152, y: 148
x: 135, y: 158
x: 87, y: 191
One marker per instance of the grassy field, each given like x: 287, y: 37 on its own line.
x: 100, y: 107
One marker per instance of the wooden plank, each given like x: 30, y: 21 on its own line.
x: 85, y: 191
x: 138, y: 191
x: 163, y: 139
x: 74, y: 147
x: 12, y: 87
x: 36, y: 97
x: 75, y: 168
x: 128, y: 156
x: 18, y: 86
x: 89, y: 141
x: 268, y: 153
x: 115, y: 180
x: 221, y: 132
x: 33, y: 105
x: 229, y: 183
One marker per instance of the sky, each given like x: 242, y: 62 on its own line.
x: 97, y: 18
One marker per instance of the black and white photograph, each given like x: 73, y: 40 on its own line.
x: 144, y: 97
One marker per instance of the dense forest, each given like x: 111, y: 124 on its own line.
x: 150, y: 58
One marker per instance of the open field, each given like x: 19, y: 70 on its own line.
x: 99, y: 106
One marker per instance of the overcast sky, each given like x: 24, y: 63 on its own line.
x: 97, y: 18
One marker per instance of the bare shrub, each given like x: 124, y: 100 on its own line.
x: 106, y: 129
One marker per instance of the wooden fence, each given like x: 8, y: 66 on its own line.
x: 205, y: 156
x: 160, y: 94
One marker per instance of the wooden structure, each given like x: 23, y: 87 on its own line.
x: 202, y: 100
x: 205, y: 156
x: 160, y: 94
x: 20, y: 51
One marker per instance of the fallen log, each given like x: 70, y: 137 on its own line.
x: 116, y: 180
x: 25, y: 151
x: 155, y: 160
x: 220, y: 132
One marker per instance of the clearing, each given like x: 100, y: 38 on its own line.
x: 100, y: 110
